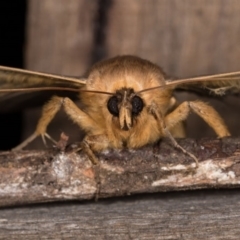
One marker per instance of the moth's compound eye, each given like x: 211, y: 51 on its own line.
x: 112, y: 106
x: 137, y: 105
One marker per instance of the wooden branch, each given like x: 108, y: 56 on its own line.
x: 54, y: 175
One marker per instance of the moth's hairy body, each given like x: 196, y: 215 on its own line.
x: 126, y: 103
x: 103, y: 130
x: 128, y: 73
x: 156, y: 113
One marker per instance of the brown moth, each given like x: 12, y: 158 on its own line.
x: 127, y: 102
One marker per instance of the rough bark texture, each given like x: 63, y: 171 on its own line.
x: 34, y: 177
x: 31, y: 177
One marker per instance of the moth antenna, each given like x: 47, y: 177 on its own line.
x: 37, y: 89
x: 152, y: 88
x: 50, y: 89
x: 234, y: 76
x: 93, y: 91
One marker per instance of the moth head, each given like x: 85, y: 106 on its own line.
x: 125, y: 105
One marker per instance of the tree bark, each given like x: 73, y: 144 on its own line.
x: 54, y: 175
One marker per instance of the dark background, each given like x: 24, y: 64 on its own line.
x: 12, y: 42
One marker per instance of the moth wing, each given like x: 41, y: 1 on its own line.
x: 14, y: 80
x: 218, y: 84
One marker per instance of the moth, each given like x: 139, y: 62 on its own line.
x: 127, y: 102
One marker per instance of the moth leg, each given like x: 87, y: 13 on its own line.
x: 93, y: 143
x: 206, y: 112
x: 154, y: 110
x: 84, y: 145
x: 90, y: 143
x: 49, y: 111
x: 25, y: 142
x: 31, y: 138
x: 96, y: 143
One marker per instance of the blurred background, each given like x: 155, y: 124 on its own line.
x: 186, y: 38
